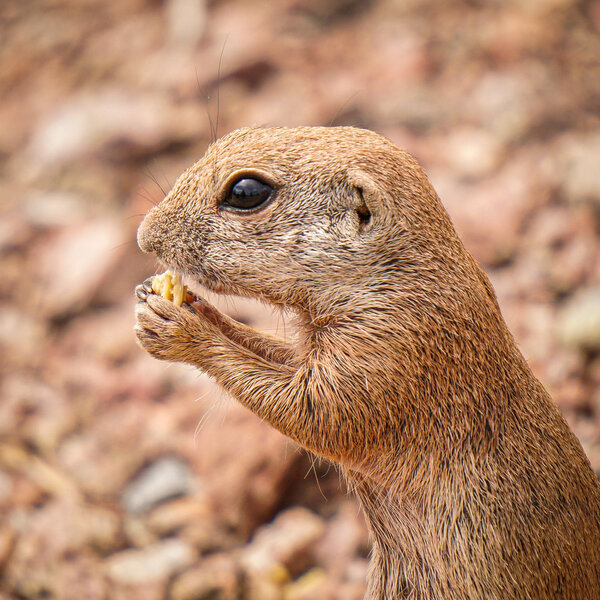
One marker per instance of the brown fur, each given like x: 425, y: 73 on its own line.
x: 403, y: 372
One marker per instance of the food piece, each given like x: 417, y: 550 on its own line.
x: 170, y: 286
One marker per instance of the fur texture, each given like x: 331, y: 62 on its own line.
x: 403, y: 371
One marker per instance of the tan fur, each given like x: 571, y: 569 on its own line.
x: 404, y: 372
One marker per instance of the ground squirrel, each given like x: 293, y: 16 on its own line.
x: 403, y: 371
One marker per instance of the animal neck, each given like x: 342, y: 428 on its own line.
x: 430, y: 522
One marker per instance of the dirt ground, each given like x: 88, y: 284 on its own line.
x: 123, y: 477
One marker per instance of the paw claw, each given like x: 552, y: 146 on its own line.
x: 141, y: 293
x: 144, y: 289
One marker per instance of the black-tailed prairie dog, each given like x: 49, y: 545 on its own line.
x: 403, y: 371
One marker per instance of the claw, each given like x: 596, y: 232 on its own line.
x: 141, y: 293
x: 143, y: 289
x: 147, y: 284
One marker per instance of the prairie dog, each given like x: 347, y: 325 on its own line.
x: 403, y: 372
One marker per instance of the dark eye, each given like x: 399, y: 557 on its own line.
x: 247, y: 194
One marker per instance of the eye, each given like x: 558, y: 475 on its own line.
x: 247, y: 194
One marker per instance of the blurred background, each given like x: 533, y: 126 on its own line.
x: 124, y: 477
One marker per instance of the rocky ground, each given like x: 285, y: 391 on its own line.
x: 123, y: 477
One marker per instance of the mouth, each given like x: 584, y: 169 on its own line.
x: 179, y: 285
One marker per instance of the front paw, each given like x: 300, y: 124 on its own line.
x: 165, y: 331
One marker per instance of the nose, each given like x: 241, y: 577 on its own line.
x: 148, y: 238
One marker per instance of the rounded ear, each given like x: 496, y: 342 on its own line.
x: 366, y: 196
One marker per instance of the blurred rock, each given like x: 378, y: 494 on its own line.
x: 94, y: 120
x: 345, y: 536
x: 67, y: 527
x: 164, y: 479
x: 509, y: 195
x: 561, y: 245
x: 46, y: 476
x: 98, y: 464
x: 73, y: 265
x: 52, y: 209
x: 22, y: 337
x: 156, y: 562
x: 578, y: 160
x: 289, y: 540
x: 313, y: 585
x: 106, y: 335
x: 137, y: 532
x: 6, y: 487
x: 579, y: 323
x: 80, y: 577
x: 100, y: 528
x: 507, y: 100
x: 151, y: 590
x: 24, y: 492
x: 7, y: 541
x: 245, y: 480
x: 186, y: 22
x: 267, y: 585
x: 472, y: 152
x: 172, y: 515
x: 14, y: 232
x: 209, y: 535
x: 40, y: 412
x: 217, y: 577
x: 66, y: 531
x: 355, y: 578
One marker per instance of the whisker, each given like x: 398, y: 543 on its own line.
x: 207, y: 107
x: 146, y: 197
x: 153, y: 178
x: 341, y: 109
x: 219, y: 87
x: 122, y: 244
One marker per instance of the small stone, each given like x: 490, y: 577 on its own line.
x: 164, y: 479
x: 472, y: 152
x: 244, y: 480
x: 309, y: 586
x: 510, y: 195
x: 208, y: 535
x: 260, y: 588
x: 14, y: 232
x: 289, y: 541
x: 93, y: 121
x: 80, y: 577
x: 155, y: 562
x: 51, y: 209
x: 217, y: 577
x: 6, y: 486
x: 7, y: 542
x: 100, y: 528
x: 579, y: 324
x: 346, y: 536
x: 137, y: 533
x: 43, y: 474
x: 173, y: 515
x: 22, y: 337
x: 41, y: 413
x: 73, y: 266
x: 580, y: 181
x: 186, y: 22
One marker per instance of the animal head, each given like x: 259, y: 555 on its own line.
x: 299, y: 216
